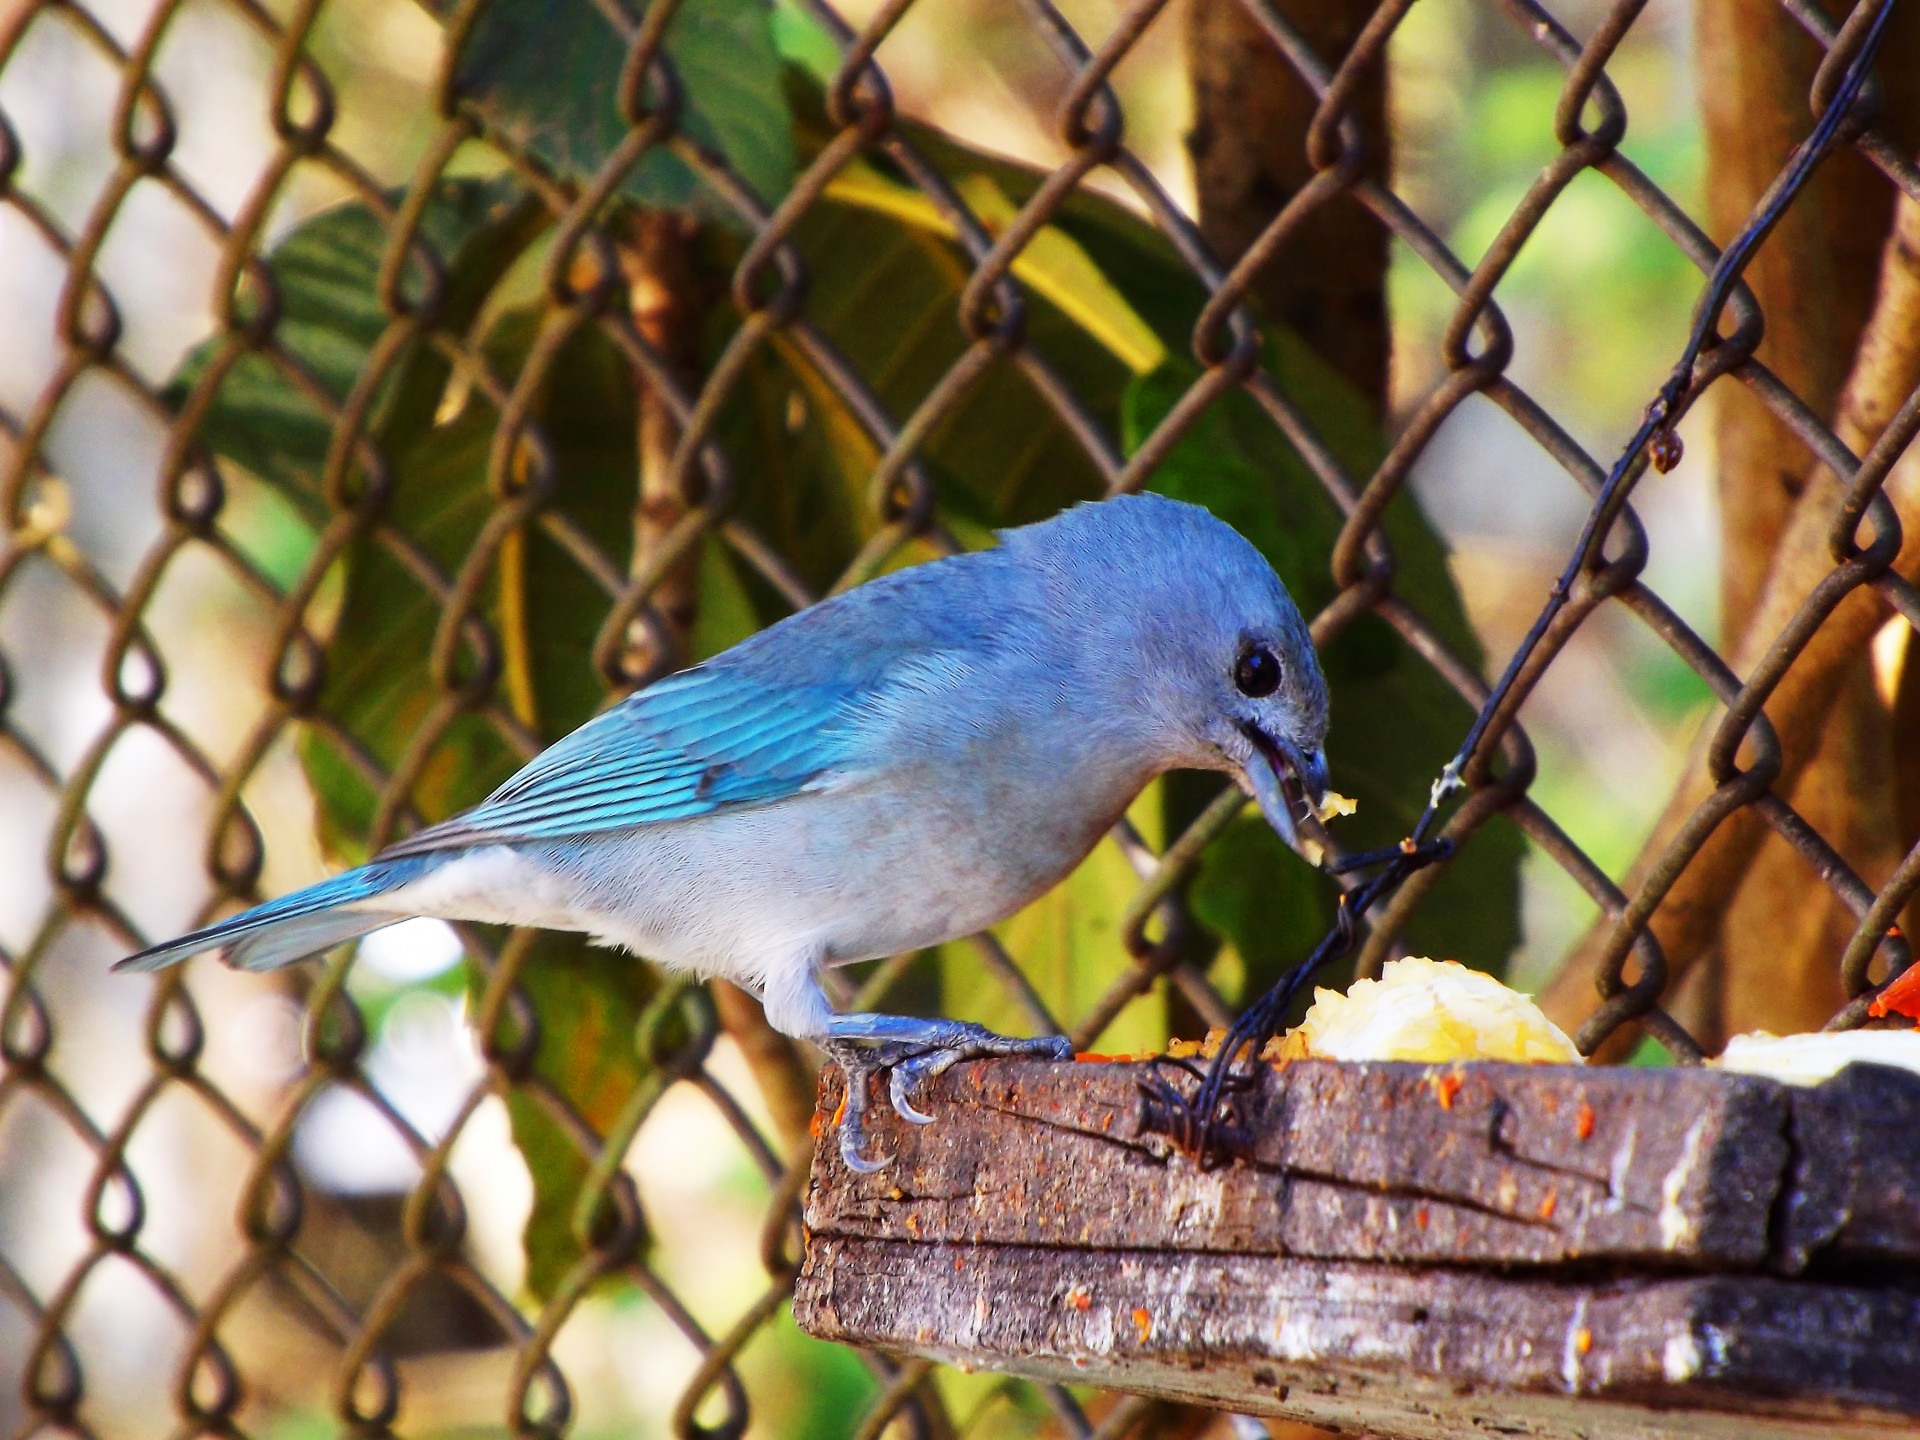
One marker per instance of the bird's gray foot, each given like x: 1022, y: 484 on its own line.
x: 858, y: 1064
x: 912, y: 1052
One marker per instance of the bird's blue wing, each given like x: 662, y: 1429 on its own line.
x: 703, y: 741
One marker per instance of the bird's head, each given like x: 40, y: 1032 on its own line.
x: 1219, y: 656
x: 1279, y: 713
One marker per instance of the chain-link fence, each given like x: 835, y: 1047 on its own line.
x: 317, y: 544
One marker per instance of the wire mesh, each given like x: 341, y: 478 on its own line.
x: 151, y: 757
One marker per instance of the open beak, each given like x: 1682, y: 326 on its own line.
x: 1286, y: 783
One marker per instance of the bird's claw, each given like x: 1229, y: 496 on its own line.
x: 906, y: 1076
x: 857, y: 1065
x: 910, y: 1066
x: 852, y: 1137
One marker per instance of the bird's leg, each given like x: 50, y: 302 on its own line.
x: 913, y: 1051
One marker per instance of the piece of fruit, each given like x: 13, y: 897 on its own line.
x: 1427, y: 1010
x: 1334, y: 804
x: 1810, y: 1059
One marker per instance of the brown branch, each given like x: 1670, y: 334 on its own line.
x: 669, y: 298
x: 1885, y: 373
x: 1249, y: 149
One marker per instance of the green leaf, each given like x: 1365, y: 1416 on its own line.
x: 265, y: 414
x: 377, y: 685
x: 725, y: 613
x: 1251, y: 890
x: 1395, y: 721
x: 548, y: 76
x: 590, y: 1003
x: 874, y: 247
x: 804, y: 42
x: 1137, y: 261
x: 545, y: 611
x: 999, y: 456
x: 1052, y: 265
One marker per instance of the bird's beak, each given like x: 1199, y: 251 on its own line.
x: 1286, y: 782
x: 1313, y: 776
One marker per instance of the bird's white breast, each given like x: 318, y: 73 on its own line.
x: 867, y: 870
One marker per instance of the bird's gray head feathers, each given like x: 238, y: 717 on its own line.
x: 1183, y: 612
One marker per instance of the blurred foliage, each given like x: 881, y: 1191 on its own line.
x: 1591, y: 352
x: 1599, y: 301
x: 549, y: 77
x: 1109, y: 302
x: 271, y: 412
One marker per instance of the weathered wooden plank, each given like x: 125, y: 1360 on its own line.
x: 1478, y: 1163
x: 1853, y: 1190
x: 1393, y: 1351
x: 1623, y: 1222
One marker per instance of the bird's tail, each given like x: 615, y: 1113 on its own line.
x: 294, y: 926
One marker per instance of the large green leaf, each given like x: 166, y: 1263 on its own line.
x: 548, y: 76
x: 999, y: 456
x: 590, y: 1003
x: 544, y: 609
x: 264, y: 413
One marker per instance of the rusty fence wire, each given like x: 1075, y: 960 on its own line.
x: 171, y: 1257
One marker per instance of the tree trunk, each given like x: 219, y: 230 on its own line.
x: 1814, y: 277
x: 1249, y: 149
x: 1773, y: 967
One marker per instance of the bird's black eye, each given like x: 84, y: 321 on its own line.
x: 1257, y: 674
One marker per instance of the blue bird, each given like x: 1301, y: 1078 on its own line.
x: 903, y: 764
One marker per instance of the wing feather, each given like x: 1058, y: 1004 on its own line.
x: 790, y: 709
x: 700, y: 742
